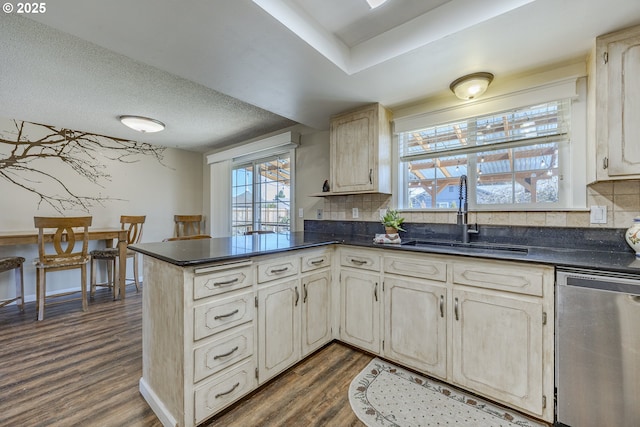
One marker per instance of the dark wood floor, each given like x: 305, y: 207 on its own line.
x: 82, y: 369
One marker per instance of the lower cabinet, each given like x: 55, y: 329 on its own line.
x: 498, y: 346
x: 316, y: 311
x: 278, y: 328
x: 294, y: 319
x: 360, y: 296
x: 416, y: 324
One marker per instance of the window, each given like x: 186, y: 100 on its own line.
x: 261, y: 195
x: 514, y: 158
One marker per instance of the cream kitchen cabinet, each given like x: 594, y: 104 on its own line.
x: 415, y: 304
x: 198, y: 340
x: 278, y: 328
x: 360, y: 299
x: 616, y: 70
x: 502, y: 339
x: 316, y: 311
x: 360, y: 151
x: 294, y: 311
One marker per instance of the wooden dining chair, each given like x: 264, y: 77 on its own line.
x: 134, y: 225
x: 187, y: 225
x: 14, y: 263
x: 68, y: 233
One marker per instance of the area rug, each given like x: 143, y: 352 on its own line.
x: 384, y: 395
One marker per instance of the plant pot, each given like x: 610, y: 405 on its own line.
x: 390, y: 230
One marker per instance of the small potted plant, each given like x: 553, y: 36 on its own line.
x: 392, y: 222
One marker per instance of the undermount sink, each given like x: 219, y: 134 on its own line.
x: 480, y: 247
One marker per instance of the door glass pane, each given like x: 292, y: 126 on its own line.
x: 262, y: 201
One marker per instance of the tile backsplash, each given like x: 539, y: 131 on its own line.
x: 622, y: 199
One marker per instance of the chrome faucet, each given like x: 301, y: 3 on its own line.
x: 463, y: 210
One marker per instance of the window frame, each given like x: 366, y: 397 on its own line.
x: 572, y: 155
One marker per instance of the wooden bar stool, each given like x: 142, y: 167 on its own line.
x: 14, y: 263
x: 134, y: 225
x: 67, y: 233
x: 187, y: 225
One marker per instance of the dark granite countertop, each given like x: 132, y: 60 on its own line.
x: 203, y: 251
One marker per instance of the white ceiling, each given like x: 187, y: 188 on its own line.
x: 222, y: 71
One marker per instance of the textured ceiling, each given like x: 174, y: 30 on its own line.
x: 219, y: 71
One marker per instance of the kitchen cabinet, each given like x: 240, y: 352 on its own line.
x: 616, y: 70
x: 198, y: 340
x: 502, y: 342
x: 316, y: 311
x: 415, y: 301
x: 360, y: 151
x: 278, y: 328
x: 294, y: 312
x: 360, y: 299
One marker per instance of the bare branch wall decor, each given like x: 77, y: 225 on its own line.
x: 33, y: 154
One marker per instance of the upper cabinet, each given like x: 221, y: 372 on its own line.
x: 617, y: 104
x: 360, y: 157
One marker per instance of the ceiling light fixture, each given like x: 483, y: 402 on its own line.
x: 375, y: 3
x: 472, y: 85
x: 142, y: 124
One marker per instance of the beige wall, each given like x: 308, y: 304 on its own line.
x: 142, y: 187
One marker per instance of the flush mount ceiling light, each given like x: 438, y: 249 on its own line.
x: 142, y: 124
x: 471, y: 86
x: 375, y: 3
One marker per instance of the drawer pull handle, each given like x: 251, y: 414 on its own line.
x: 224, y: 316
x: 317, y: 262
x: 220, y: 356
x: 226, y: 282
x: 455, y: 309
x: 358, y: 261
x: 279, y: 270
x: 224, y: 393
x: 441, y: 305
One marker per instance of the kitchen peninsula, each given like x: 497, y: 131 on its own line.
x: 223, y: 316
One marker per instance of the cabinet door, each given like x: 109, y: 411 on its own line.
x: 278, y: 328
x: 415, y: 325
x: 360, y: 311
x: 623, y: 106
x: 316, y: 311
x: 497, y: 347
x: 353, y: 151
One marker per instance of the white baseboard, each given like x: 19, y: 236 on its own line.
x: 156, y: 405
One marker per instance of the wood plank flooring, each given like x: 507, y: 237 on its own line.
x: 80, y: 368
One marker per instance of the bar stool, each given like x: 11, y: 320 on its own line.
x: 134, y: 225
x: 187, y: 225
x: 14, y: 263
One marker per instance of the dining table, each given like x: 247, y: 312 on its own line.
x: 109, y: 235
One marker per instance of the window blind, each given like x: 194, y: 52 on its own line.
x: 535, y: 124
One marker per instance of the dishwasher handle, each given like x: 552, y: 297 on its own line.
x: 604, y: 284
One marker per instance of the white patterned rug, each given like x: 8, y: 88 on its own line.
x: 384, y: 395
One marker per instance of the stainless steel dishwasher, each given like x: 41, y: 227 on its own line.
x: 597, y: 349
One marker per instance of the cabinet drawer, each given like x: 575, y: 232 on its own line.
x: 217, y: 316
x: 277, y: 269
x: 360, y: 260
x: 503, y: 276
x: 223, y: 352
x: 206, y: 285
x: 224, y: 389
x: 316, y: 260
x: 423, y: 268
